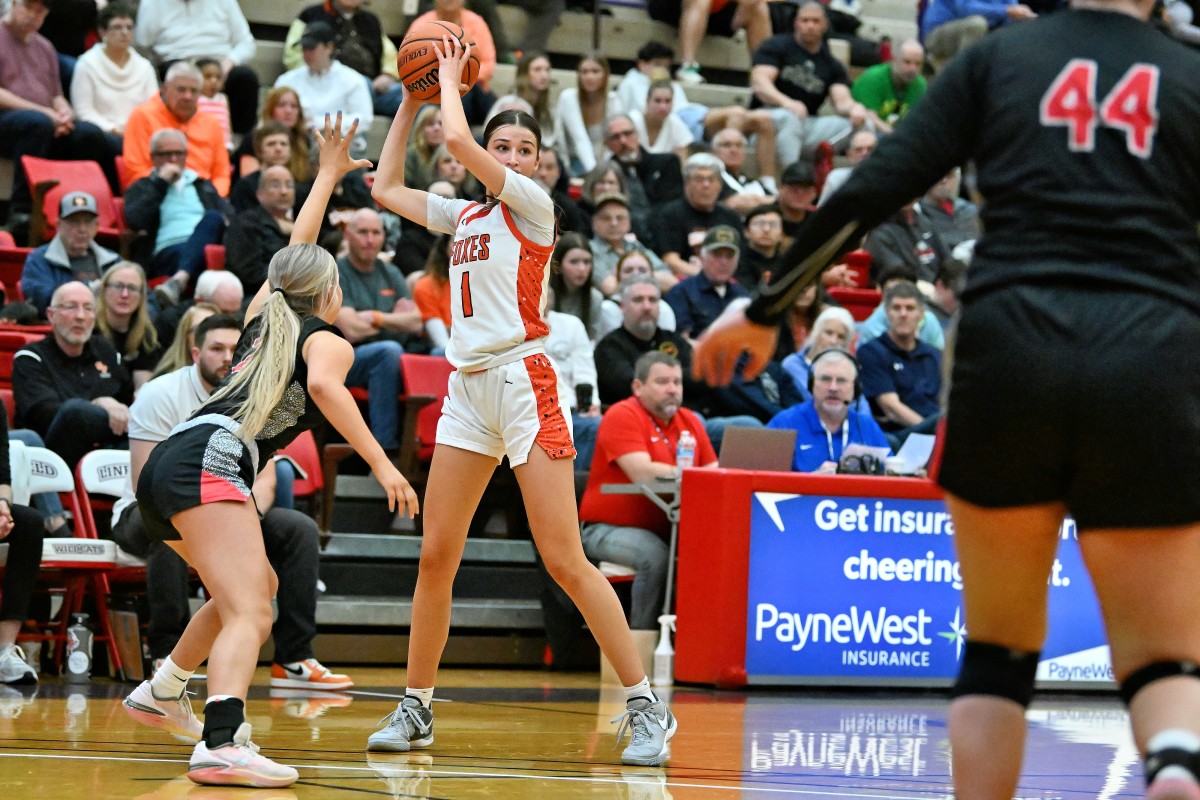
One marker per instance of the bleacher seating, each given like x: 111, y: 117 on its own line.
x: 620, y: 34
x: 10, y: 343
x: 360, y: 567
x: 50, y: 180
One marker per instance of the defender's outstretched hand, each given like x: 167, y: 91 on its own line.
x: 401, y: 496
x: 726, y: 339
x: 335, y: 147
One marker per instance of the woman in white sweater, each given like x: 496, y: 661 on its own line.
x: 582, y: 111
x: 112, y: 78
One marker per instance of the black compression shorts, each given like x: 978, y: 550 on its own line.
x: 1086, y: 396
x: 205, y: 463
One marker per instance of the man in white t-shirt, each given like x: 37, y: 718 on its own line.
x: 327, y: 86
x: 290, y: 537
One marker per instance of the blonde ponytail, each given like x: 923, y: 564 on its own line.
x: 300, y: 277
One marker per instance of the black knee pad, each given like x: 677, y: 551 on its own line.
x: 1141, y: 678
x: 1160, y: 760
x: 991, y: 669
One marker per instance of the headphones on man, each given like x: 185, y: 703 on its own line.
x: 812, y: 372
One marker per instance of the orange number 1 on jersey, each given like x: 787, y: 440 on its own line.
x: 468, y: 309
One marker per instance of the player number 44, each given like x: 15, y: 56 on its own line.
x: 1131, y: 106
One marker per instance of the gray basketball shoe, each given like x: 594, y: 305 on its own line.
x: 651, y: 726
x: 408, y: 727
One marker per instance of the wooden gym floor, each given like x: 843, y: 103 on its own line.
x: 509, y: 734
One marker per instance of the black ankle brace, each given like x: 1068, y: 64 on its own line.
x: 222, y: 718
x: 1159, y: 760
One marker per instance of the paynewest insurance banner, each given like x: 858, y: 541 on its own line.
x: 869, y: 588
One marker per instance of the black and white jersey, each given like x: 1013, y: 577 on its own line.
x: 1085, y: 130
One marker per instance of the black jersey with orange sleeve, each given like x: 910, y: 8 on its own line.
x: 1085, y: 130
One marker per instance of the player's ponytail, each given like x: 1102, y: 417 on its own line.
x: 302, y: 278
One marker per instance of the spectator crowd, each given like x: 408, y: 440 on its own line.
x: 668, y: 211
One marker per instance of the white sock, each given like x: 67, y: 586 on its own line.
x: 170, y: 680
x: 640, y: 689
x: 424, y: 695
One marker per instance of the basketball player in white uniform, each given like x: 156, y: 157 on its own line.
x: 503, y: 400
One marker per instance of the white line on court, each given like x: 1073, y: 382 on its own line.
x: 831, y: 791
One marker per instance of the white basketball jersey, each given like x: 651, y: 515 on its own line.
x: 498, y: 273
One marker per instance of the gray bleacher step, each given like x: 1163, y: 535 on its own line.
x: 391, y: 546
x: 359, y: 487
x: 484, y: 613
x: 488, y: 613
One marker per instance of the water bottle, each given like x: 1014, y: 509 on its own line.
x: 685, y: 452
x: 76, y: 714
x: 664, y: 653
x: 79, y: 650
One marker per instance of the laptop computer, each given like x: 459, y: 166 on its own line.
x: 765, y: 449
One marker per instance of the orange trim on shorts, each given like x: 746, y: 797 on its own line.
x: 554, y: 435
x: 214, y: 489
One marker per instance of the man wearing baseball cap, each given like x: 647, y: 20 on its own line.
x: 72, y: 255
x: 797, y: 196
x: 612, y: 223
x: 700, y: 299
x: 326, y: 85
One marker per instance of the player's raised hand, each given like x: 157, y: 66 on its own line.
x: 451, y: 58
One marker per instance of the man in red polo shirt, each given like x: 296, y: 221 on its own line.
x: 636, y: 444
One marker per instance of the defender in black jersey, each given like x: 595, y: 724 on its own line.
x: 195, y: 490
x: 1076, y: 380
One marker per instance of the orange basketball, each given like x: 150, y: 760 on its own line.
x: 418, y: 63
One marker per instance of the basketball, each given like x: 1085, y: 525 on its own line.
x: 417, y: 60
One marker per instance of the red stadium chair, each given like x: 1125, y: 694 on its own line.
x: 214, y: 256
x: 859, y: 262
x: 12, y: 264
x: 310, y: 480
x: 123, y: 176
x: 859, y: 302
x: 50, y: 180
x: 10, y: 405
x: 37, y: 470
x: 426, y: 382
x: 10, y: 343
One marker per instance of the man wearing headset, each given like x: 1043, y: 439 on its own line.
x: 826, y: 425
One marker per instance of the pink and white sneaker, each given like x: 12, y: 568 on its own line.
x: 173, y: 716
x: 238, y: 764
